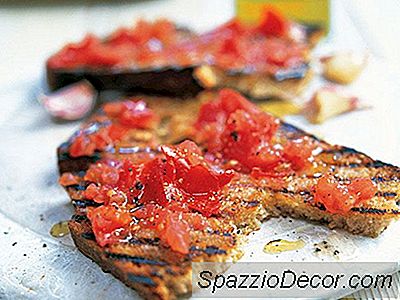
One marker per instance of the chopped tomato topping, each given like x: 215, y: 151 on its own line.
x: 264, y: 48
x: 109, y: 176
x: 173, y: 225
x: 214, y: 114
x: 126, y: 114
x: 237, y: 130
x: 165, y: 193
x: 198, y: 183
x: 86, y: 144
x: 184, y: 177
x: 246, y: 139
x: 108, y: 224
x: 340, y: 197
x: 241, y: 131
x: 162, y: 30
x: 90, y: 51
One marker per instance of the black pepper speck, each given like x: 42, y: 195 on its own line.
x: 139, y: 186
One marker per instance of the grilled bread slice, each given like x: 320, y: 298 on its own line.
x: 163, y: 59
x: 146, y: 264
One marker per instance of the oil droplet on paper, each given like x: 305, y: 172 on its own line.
x: 60, y: 229
x: 278, y: 246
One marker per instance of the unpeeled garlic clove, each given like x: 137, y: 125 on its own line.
x: 343, y: 68
x: 72, y: 102
x: 327, y: 103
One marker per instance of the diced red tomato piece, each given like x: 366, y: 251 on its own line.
x: 116, y: 131
x: 131, y: 114
x: 193, y: 174
x: 230, y: 47
x: 246, y: 139
x: 177, y: 233
x: 191, y: 148
x: 199, y: 180
x: 154, y: 177
x: 124, y: 36
x: 67, y: 179
x: 298, y: 152
x: 113, y: 109
x: 206, y: 204
x: 228, y: 101
x: 265, y: 158
x: 340, y: 198
x: 165, y: 31
x: 363, y: 189
x: 232, y: 101
x: 332, y: 195
x: 102, y: 173
x: 97, y: 193
x: 86, y: 145
x: 145, y: 211
x: 129, y: 180
x: 209, y: 112
x: 82, y: 146
x: 197, y: 221
x: 273, y: 24
x: 106, y: 221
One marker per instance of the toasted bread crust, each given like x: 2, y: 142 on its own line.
x: 174, y: 82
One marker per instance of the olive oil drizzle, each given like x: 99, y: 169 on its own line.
x: 59, y: 229
x: 278, y: 246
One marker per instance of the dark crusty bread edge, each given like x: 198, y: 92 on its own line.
x: 92, y: 250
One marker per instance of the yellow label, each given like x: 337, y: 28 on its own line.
x: 315, y: 12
